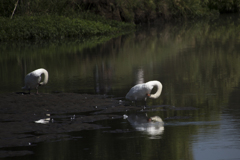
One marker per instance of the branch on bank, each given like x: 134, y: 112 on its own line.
x: 14, y: 8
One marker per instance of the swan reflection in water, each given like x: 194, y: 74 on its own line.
x: 153, y: 126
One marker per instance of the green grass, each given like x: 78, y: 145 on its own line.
x: 47, y: 19
x: 48, y: 27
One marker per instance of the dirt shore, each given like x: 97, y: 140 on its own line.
x: 27, y: 119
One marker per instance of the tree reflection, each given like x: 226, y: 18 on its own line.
x: 103, y: 78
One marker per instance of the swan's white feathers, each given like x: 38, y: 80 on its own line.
x: 32, y: 79
x: 139, y: 92
x: 156, y: 119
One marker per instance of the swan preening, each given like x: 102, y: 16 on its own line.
x: 32, y: 79
x: 142, y: 91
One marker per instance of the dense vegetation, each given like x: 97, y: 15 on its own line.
x: 26, y: 19
x: 128, y: 9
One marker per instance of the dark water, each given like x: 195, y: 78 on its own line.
x: 197, y: 62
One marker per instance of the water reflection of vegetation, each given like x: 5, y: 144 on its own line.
x: 156, y: 50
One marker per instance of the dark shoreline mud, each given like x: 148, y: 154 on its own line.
x: 61, y: 112
x: 27, y: 119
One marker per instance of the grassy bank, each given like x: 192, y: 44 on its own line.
x: 48, y: 27
x: 46, y: 19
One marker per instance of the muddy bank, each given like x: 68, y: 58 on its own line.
x: 28, y: 119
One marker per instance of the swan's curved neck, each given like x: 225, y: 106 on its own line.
x: 45, y: 72
x: 159, y: 89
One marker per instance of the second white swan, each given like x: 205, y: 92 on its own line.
x: 142, y: 91
x: 32, y: 79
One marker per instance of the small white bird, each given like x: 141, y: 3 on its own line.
x: 142, y: 91
x: 32, y: 79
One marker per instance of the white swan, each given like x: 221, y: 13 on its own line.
x: 142, y: 91
x: 32, y: 79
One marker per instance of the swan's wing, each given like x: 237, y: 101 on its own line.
x: 32, y: 80
x: 138, y: 92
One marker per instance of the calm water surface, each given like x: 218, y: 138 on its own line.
x: 198, y: 64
